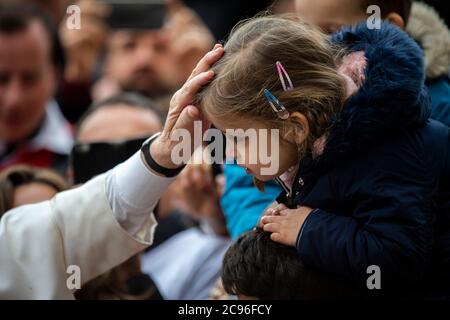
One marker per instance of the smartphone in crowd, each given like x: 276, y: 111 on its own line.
x: 136, y: 14
x: 91, y: 159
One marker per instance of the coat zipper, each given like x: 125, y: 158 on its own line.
x: 288, y: 192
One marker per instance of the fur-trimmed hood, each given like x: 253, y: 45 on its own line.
x: 430, y: 31
x: 392, y: 98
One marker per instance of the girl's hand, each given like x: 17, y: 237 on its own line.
x: 273, y: 210
x: 286, y: 226
x: 181, y: 113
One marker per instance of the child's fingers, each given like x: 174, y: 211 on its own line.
x: 281, y: 238
x: 280, y: 207
x: 274, y: 211
x: 272, y: 227
x: 263, y: 221
x: 272, y: 219
x: 268, y: 212
x: 286, y: 211
x: 278, y: 237
x: 300, y: 210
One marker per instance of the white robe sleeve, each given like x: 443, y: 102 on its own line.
x: 38, y: 243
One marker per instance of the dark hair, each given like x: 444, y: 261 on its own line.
x: 401, y: 7
x: 131, y: 99
x: 17, y: 17
x: 20, y: 175
x: 258, y: 267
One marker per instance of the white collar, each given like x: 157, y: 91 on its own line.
x: 289, y: 176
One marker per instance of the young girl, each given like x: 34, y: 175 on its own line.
x: 363, y: 167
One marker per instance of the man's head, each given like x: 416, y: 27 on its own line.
x: 139, y: 62
x: 157, y: 62
x: 331, y: 15
x: 29, y: 58
x: 123, y: 117
x: 255, y: 267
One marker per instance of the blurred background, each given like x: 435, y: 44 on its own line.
x: 76, y: 102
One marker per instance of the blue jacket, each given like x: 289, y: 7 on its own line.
x: 439, y: 90
x: 241, y: 202
x: 381, y: 188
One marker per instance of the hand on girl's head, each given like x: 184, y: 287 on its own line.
x: 286, y: 226
x: 182, y: 113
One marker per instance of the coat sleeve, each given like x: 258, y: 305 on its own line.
x: 77, y: 228
x: 390, y: 228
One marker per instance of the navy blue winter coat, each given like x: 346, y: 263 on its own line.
x: 381, y: 188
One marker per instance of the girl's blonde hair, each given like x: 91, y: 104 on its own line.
x: 249, y: 66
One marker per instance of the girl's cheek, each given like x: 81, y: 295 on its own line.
x: 252, y: 155
x: 264, y: 152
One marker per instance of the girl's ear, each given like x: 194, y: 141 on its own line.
x: 396, y: 19
x: 301, y: 127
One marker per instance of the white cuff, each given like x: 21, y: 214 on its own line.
x: 133, y: 192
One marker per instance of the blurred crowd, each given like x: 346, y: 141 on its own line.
x: 74, y: 103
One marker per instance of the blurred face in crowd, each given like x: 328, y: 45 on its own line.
x: 34, y: 192
x: 121, y: 122
x: 141, y: 61
x: 27, y: 80
x: 330, y: 15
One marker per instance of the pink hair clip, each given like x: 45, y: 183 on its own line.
x: 276, y: 105
x: 283, y: 74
